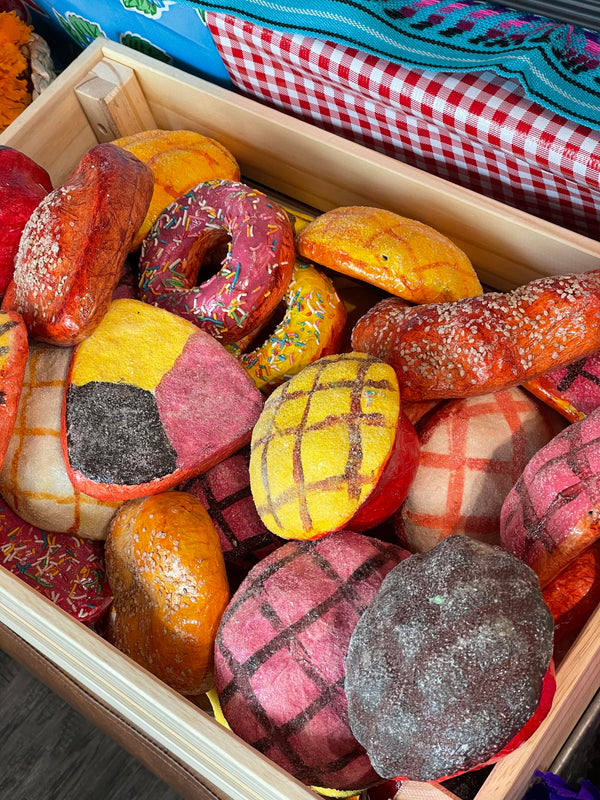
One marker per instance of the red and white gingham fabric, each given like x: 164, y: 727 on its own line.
x: 476, y: 130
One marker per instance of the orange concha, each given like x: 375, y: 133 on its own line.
x: 179, y: 160
x: 167, y: 574
x: 321, y: 444
x: 403, y: 256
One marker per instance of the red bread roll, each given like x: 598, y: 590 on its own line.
x: 573, y: 596
x: 483, y: 344
x: 74, y: 245
x: 23, y: 184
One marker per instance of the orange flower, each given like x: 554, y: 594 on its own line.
x: 14, y: 90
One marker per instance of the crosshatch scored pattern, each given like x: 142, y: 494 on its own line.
x: 352, y: 481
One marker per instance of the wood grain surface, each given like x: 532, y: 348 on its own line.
x: 48, y: 751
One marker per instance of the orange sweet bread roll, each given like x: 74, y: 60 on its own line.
x: 403, y: 256
x: 482, y: 344
x: 179, y: 160
x: 165, y: 567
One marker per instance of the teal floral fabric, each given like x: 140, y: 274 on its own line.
x: 557, y: 64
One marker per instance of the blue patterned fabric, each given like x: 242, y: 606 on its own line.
x: 557, y: 64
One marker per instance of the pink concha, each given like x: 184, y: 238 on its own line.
x: 553, y: 512
x: 225, y: 492
x: 280, y: 649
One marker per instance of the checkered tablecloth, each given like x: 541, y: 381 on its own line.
x: 478, y: 130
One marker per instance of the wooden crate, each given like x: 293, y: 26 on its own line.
x: 123, y: 92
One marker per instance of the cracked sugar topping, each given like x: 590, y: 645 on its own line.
x: 40, y: 274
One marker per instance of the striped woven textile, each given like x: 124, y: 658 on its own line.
x: 478, y: 130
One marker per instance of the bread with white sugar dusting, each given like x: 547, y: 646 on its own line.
x: 483, y: 344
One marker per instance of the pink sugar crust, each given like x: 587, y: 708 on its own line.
x: 558, y: 489
x: 577, y: 384
x: 254, y: 274
x: 225, y: 492
x: 280, y: 649
x: 230, y: 476
x: 207, y: 403
x: 67, y: 570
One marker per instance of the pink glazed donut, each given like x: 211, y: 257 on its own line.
x: 254, y: 273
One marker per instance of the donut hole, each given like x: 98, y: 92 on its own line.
x: 206, y: 256
x: 273, y: 322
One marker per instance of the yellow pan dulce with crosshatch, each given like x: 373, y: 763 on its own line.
x: 321, y: 444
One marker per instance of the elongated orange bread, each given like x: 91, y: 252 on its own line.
x: 483, y: 344
x: 75, y: 243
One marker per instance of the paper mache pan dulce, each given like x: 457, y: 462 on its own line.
x: 302, y: 462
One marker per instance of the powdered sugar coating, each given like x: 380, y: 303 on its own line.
x: 40, y: 269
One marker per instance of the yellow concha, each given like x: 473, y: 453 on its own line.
x: 321, y: 444
x: 403, y: 256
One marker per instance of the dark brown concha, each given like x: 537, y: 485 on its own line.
x: 446, y: 665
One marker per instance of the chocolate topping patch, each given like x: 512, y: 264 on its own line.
x: 115, y: 435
